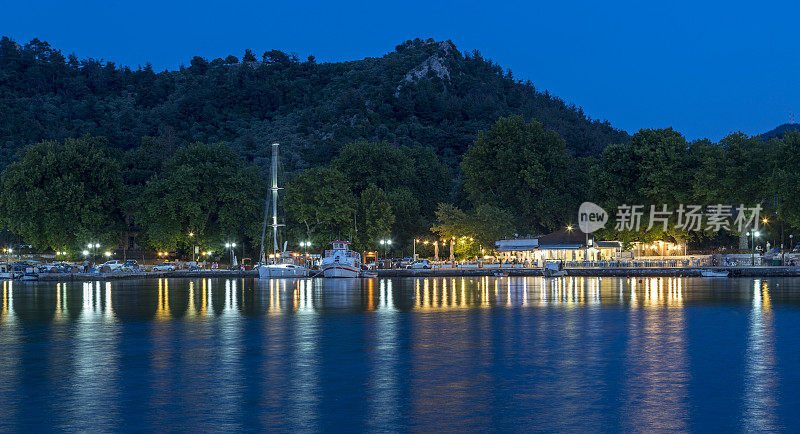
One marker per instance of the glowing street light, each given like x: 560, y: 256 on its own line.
x: 385, y: 243
x: 753, y: 235
x: 92, y: 248
x: 305, y: 245
x: 231, y: 246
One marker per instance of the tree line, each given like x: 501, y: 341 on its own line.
x: 517, y: 178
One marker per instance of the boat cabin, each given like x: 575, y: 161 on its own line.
x: 341, y: 250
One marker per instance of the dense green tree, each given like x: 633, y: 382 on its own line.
x: 410, y: 222
x: 657, y: 167
x: 785, y: 176
x: 207, y: 190
x: 414, y: 178
x: 321, y: 206
x: 522, y: 166
x: 60, y: 195
x: 248, y: 56
x: 472, y: 232
x: 376, y: 217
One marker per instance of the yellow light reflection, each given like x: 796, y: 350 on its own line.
x: 162, y: 310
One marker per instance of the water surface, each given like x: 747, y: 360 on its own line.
x: 409, y: 354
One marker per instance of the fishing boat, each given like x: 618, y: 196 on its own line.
x: 280, y: 263
x: 714, y: 273
x: 341, y: 261
x: 553, y: 269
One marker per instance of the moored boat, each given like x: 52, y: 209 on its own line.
x: 553, y: 269
x: 6, y: 271
x: 341, y: 261
x: 281, y: 264
x: 269, y: 271
x: 369, y: 274
x: 714, y: 273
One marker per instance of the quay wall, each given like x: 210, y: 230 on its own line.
x: 576, y: 272
x: 603, y: 272
x: 60, y: 277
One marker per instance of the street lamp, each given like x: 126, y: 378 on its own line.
x: 385, y: 243
x: 194, y: 246
x: 753, y: 235
x: 93, y: 249
x: 231, y: 246
x: 305, y: 245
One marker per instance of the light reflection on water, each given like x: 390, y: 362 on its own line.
x: 413, y: 353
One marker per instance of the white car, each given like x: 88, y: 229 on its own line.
x: 164, y: 266
x: 420, y: 264
x: 113, y: 265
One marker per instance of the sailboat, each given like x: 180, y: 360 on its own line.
x: 281, y: 263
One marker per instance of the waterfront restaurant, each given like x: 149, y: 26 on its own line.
x: 568, y: 245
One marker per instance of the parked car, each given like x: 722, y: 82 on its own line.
x: 420, y: 264
x: 165, y: 266
x: 132, y: 264
x: 112, y: 265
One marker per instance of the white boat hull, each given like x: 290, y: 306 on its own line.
x: 711, y: 273
x: 281, y: 270
x: 340, y: 270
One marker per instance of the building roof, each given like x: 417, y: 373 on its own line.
x: 561, y: 238
x: 558, y: 240
x: 517, y: 245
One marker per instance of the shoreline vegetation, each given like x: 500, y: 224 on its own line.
x: 424, y: 143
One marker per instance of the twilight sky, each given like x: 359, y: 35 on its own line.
x: 704, y: 68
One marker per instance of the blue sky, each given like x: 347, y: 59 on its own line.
x: 704, y: 68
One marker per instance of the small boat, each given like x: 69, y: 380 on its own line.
x: 714, y: 273
x: 554, y: 269
x: 341, y: 261
x: 500, y: 274
x: 369, y: 274
x: 268, y: 271
x: 29, y: 276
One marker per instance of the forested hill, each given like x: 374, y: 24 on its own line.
x: 422, y: 93
x: 779, y: 131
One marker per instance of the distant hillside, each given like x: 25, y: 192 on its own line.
x: 422, y: 93
x: 778, y: 132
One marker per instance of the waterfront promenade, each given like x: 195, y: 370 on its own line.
x: 740, y: 271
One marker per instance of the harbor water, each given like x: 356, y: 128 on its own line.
x: 401, y: 354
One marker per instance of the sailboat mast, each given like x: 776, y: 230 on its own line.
x: 275, y: 197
